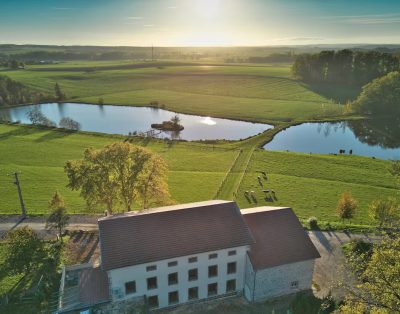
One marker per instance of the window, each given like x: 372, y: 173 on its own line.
x: 172, y: 279
x: 213, y: 271
x: 192, y: 274
x: 212, y: 289
x: 152, y: 301
x: 173, y: 297
x: 130, y: 287
x: 193, y: 259
x: 231, y: 253
x: 212, y: 256
x: 232, y: 268
x: 152, y: 283
x: 193, y: 293
x: 231, y: 285
x: 151, y: 268
x: 294, y: 284
x: 172, y: 264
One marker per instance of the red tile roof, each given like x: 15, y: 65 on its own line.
x: 280, y: 238
x: 169, y: 232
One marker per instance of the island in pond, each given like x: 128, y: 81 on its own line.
x: 172, y: 125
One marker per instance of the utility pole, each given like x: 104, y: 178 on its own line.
x: 152, y: 52
x: 21, y: 200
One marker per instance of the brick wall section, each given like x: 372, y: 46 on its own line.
x: 276, y: 281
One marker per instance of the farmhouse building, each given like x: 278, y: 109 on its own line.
x: 192, y: 252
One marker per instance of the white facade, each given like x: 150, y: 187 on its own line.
x: 139, y: 274
x: 277, y: 281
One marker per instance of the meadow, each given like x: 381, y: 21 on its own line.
x: 312, y: 184
x: 259, y: 93
x: 195, y: 170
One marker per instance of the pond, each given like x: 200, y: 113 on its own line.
x: 123, y: 120
x: 372, y: 138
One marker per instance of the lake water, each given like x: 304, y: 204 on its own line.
x: 123, y: 119
x: 373, y: 138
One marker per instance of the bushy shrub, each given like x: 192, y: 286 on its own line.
x: 313, y: 222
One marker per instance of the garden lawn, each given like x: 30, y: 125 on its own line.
x: 196, y: 170
x: 255, y: 93
x: 312, y: 184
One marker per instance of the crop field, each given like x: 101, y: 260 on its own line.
x: 260, y: 93
x: 312, y: 184
x: 196, y: 170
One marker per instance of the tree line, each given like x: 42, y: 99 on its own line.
x: 15, y: 93
x: 12, y: 64
x: 344, y: 66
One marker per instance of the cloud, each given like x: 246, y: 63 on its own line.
x: 373, y: 19
x: 135, y: 18
x: 148, y: 25
x: 172, y: 7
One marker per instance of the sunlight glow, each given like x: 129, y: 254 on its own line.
x: 208, y: 121
x: 207, y: 8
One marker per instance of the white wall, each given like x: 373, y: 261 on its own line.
x: 118, y: 277
x: 276, y: 281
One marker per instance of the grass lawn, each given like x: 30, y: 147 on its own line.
x: 312, y: 184
x: 196, y: 170
x: 256, y: 93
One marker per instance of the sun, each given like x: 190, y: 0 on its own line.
x: 207, y: 8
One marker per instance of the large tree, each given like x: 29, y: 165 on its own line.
x: 120, y: 173
x: 381, y: 96
x: 24, y: 250
x: 386, y: 212
x: 378, y: 290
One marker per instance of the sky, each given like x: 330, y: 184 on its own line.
x: 199, y: 22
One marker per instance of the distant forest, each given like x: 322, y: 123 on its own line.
x: 344, y: 66
x: 15, y: 93
x: 34, y: 54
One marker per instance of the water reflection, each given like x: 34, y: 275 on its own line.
x: 375, y: 138
x: 385, y: 133
x: 125, y: 120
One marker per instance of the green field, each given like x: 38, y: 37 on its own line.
x: 312, y: 184
x: 261, y: 93
x: 196, y: 170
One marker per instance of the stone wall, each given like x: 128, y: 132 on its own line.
x: 278, y: 281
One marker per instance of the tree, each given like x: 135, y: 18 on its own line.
x: 175, y: 120
x: 58, y: 218
x: 386, y: 212
x: 347, y: 206
x: 24, y: 250
x: 395, y: 170
x: 70, y: 124
x: 119, y: 173
x: 38, y: 118
x: 381, y: 96
x: 152, y: 186
x: 378, y: 290
x: 60, y: 96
